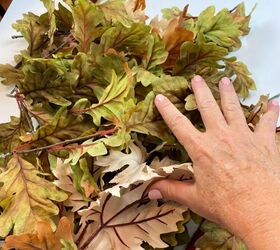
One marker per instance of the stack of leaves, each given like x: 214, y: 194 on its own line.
x: 89, y: 140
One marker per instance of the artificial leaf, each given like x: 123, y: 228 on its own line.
x: 130, y: 40
x: 216, y: 237
x: 124, y: 216
x: 49, y: 5
x: 86, y: 18
x: 47, y: 79
x: 136, y: 10
x: 156, y: 53
x: 111, y: 102
x: 190, y: 103
x: 115, y: 12
x: 63, y: 126
x: 64, y: 18
x: 10, y: 74
x: 33, y: 198
x: 64, y: 174
x: 243, y: 81
x: 144, y: 118
x: 33, y: 33
x: 193, y: 55
x: 221, y: 29
x: 44, y: 238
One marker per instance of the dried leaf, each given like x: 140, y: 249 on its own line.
x: 33, y: 198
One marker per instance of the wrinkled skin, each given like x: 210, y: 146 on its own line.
x: 236, y: 171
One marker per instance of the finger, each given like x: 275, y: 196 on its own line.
x: 268, y: 122
x: 230, y: 104
x: 181, y: 192
x: 207, y: 105
x: 180, y: 125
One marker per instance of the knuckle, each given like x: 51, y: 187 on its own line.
x: 231, y: 106
x: 207, y: 104
x: 177, y: 122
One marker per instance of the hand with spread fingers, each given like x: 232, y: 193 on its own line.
x: 236, y: 171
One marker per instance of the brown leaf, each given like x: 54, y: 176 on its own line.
x: 43, y: 239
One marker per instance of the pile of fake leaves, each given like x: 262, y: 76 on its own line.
x: 76, y: 164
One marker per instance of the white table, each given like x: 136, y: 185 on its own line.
x: 260, y: 49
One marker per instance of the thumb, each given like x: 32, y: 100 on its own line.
x: 179, y: 191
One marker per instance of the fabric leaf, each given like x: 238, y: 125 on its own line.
x: 10, y: 74
x: 44, y: 238
x: 86, y: 19
x: 33, y: 198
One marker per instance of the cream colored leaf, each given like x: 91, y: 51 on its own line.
x: 124, y: 223
x: 190, y: 103
x: 64, y: 181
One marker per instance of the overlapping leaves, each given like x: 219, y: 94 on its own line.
x: 90, y: 140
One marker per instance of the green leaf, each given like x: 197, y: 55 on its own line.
x: 49, y: 5
x: 131, y: 40
x: 193, y: 56
x: 10, y: 74
x: 174, y: 88
x: 111, y: 103
x: 47, y: 79
x: 9, y: 137
x: 81, y: 67
x: 63, y: 126
x: 114, y: 12
x: 216, y: 237
x: 221, y: 29
x: 243, y: 81
x: 170, y: 13
x: 33, y: 198
x: 86, y: 18
x: 64, y: 18
x: 156, y: 53
x: 145, y: 119
x: 33, y: 32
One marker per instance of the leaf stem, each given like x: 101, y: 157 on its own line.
x: 99, y: 133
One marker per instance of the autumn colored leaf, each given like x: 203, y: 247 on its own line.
x: 45, y: 238
x: 10, y: 74
x: 32, y: 200
x: 86, y: 18
x: 216, y: 237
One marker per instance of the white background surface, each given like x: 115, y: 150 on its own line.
x: 260, y: 50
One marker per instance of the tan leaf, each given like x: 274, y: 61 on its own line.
x: 124, y: 223
x: 44, y: 238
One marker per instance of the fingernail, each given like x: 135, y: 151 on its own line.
x: 197, y: 78
x: 160, y: 98
x: 155, y: 194
x: 226, y: 81
x: 275, y: 103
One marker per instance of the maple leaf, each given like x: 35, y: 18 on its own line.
x: 47, y: 79
x: 108, y: 222
x: 86, y: 18
x: 10, y: 74
x: 216, y: 237
x: 49, y: 5
x: 33, y: 32
x: 32, y: 198
x: 63, y: 126
x: 44, y: 238
x: 243, y: 81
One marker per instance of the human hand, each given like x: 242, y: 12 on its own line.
x: 236, y: 171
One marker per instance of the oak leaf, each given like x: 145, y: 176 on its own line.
x: 32, y: 201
